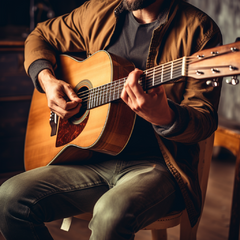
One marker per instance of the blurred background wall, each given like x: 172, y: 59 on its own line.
x: 17, y: 19
x: 226, y: 13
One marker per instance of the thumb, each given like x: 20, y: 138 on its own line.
x: 72, y: 96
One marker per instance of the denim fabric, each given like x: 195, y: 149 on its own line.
x: 123, y: 195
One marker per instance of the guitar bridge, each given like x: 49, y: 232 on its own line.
x: 53, y: 121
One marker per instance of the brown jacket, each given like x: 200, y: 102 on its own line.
x: 187, y: 30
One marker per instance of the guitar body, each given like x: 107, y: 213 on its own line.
x: 106, y: 128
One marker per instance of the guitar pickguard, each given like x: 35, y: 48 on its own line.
x: 67, y: 131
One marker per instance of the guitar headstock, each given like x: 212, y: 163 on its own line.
x: 221, y: 61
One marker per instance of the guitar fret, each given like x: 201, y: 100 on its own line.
x: 114, y: 91
x: 184, y: 68
x: 105, y: 94
x: 102, y: 95
x: 92, y: 98
x: 162, y: 73
x: 99, y: 95
x: 153, y: 78
x: 96, y: 98
x: 119, y: 89
x: 145, y: 80
x: 110, y: 95
x: 171, y: 75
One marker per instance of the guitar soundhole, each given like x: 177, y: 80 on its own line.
x: 82, y: 93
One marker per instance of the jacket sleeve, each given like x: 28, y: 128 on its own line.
x: 196, y: 113
x: 62, y: 34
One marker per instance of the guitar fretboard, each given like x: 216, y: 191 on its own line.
x: 150, y: 78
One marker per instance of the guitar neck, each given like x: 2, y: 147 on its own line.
x: 150, y: 78
x: 207, y: 64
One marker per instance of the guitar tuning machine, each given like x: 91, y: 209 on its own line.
x: 200, y: 56
x: 214, y: 53
x: 233, y: 81
x: 213, y: 83
x: 234, y: 49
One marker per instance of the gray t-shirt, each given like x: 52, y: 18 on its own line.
x: 131, y: 41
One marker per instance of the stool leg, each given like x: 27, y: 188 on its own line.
x: 159, y: 234
x: 235, y: 212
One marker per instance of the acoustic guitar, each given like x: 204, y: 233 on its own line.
x: 105, y: 123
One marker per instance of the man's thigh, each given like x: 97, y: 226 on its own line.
x: 144, y: 191
x: 53, y: 192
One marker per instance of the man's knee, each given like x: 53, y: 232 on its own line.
x: 8, y: 198
x: 112, y: 218
x: 14, y: 195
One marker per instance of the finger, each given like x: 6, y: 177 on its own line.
x: 72, y: 96
x: 61, y: 103
x: 130, y: 94
x: 69, y: 100
x: 59, y: 111
x: 133, y: 83
x: 124, y: 95
x: 65, y: 114
x: 72, y: 105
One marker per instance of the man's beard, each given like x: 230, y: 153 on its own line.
x: 133, y: 5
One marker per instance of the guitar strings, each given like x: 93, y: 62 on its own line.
x: 100, y: 94
x: 158, y: 74
x: 151, y: 77
x: 153, y: 72
x: 150, y: 72
x: 155, y: 75
x: 161, y: 69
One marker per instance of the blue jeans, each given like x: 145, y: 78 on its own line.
x: 124, y: 197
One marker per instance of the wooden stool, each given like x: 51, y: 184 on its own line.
x: 230, y: 139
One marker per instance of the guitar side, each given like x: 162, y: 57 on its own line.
x: 40, y: 147
x: 107, y: 129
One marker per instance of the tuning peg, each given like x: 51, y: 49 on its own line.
x: 213, y: 83
x: 233, y: 81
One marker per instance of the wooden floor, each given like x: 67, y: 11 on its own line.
x: 214, y: 224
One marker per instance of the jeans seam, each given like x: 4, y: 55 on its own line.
x: 69, y: 189
x: 32, y: 226
x: 108, y: 182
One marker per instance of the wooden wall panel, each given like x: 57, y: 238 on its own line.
x: 15, y: 96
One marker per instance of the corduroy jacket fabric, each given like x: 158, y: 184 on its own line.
x: 186, y: 30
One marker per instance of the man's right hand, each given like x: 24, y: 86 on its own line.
x: 61, y: 98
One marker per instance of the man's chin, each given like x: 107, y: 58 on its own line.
x: 133, y: 5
